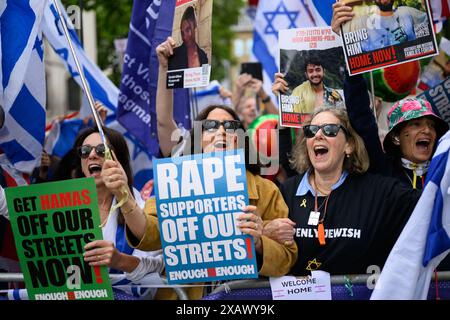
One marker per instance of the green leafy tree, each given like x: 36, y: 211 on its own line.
x: 225, y: 14
x: 113, y: 19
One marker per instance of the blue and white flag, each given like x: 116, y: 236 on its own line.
x: 209, y: 95
x: 101, y: 87
x: 62, y: 135
x: 425, y: 240
x: 151, y: 23
x: 22, y: 80
x: 275, y: 15
x: 321, y: 10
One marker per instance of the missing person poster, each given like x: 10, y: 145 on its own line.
x: 439, y: 98
x: 387, y: 32
x: 190, y: 64
x: 199, y: 198
x: 52, y: 222
x: 312, y: 63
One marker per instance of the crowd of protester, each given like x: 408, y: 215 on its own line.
x: 343, y: 199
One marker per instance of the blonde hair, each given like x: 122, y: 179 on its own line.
x: 248, y: 94
x: 357, y: 162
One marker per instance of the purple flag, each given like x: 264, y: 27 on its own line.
x: 151, y: 23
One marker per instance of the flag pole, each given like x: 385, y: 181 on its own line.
x: 84, y: 83
x: 87, y: 91
x: 372, y: 89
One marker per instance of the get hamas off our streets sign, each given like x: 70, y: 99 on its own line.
x: 52, y: 222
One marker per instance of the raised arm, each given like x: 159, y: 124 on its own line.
x: 362, y: 119
x: 164, y: 100
x: 341, y: 13
x: 116, y: 180
x: 257, y: 85
x: 280, y: 85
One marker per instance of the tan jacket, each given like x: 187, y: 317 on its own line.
x: 277, y: 258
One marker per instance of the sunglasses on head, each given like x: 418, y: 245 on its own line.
x: 213, y: 125
x: 85, y: 150
x: 329, y: 130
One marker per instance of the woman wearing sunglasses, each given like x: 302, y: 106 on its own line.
x: 219, y: 127
x: 114, y: 251
x: 414, y: 128
x: 345, y: 219
x: 407, y: 148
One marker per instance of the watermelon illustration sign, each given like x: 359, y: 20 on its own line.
x: 52, y: 222
x: 263, y: 134
x: 199, y: 198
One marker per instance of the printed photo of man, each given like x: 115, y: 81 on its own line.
x: 313, y: 93
x: 385, y: 24
x: 189, y: 54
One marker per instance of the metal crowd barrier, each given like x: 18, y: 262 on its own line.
x: 335, y: 280
x: 229, y: 286
x: 18, y: 277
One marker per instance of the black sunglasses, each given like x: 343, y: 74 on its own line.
x: 85, y: 150
x: 213, y: 125
x: 328, y: 129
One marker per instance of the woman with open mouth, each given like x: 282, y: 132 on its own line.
x: 113, y: 251
x: 345, y: 218
x: 407, y: 148
x: 220, y: 129
x: 414, y: 128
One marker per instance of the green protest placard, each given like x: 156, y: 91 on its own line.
x: 52, y: 222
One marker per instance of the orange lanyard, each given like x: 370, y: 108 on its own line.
x: 320, y: 228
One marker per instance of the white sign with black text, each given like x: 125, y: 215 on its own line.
x: 317, y: 286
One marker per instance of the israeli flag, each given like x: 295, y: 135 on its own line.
x: 275, y: 15
x: 425, y: 240
x: 62, y: 135
x: 101, y: 87
x: 103, y: 90
x: 22, y: 81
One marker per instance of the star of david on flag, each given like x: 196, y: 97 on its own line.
x: 275, y: 15
x: 281, y: 12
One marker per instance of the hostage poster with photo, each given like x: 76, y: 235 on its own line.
x: 387, y: 32
x: 52, y: 222
x: 312, y: 63
x: 198, y: 199
x: 190, y: 64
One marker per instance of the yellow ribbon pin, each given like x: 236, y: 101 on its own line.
x: 303, y: 204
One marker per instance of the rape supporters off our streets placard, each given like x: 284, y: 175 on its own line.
x: 198, y: 199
